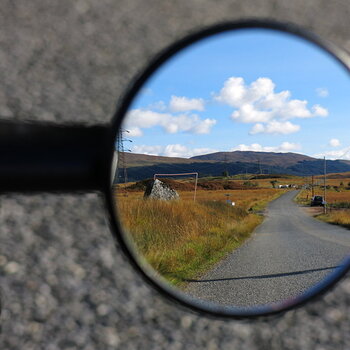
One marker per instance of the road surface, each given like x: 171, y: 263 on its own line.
x: 289, y: 252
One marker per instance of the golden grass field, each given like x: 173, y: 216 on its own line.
x: 181, y: 239
x: 337, y: 198
x: 337, y: 217
x: 332, y: 197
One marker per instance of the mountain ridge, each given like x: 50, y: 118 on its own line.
x: 142, y: 166
x: 135, y: 159
x: 271, y: 158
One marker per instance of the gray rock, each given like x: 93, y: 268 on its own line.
x: 160, y: 190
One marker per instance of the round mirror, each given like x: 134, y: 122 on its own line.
x: 232, y: 188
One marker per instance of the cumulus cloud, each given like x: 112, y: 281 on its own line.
x: 259, y: 103
x: 159, y: 106
x: 338, y: 154
x: 322, y: 92
x: 175, y: 150
x: 319, y: 111
x: 134, y: 131
x: 138, y: 119
x: 150, y: 150
x: 274, y: 127
x: 178, y: 150
x: 334, y: 142
x: 183, y: 104
x: 256, y: 147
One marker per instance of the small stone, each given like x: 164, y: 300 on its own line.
x: 32, y: 285
x: 5, y: 112
x: 186, y: 321
x: 12, y: 267
x: 35, y: 327
x: 47, y: 116
x: 3, y: 260
x: 102, y: 309
x: 82, y: 6
x: 132, y: 331
x: 79, y: 272
x: 335, y: 314
x: 111, y: 337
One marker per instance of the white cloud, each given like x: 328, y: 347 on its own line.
x: 257, y: 129
x: 339, y: 154
x: 275, y: 127
x: 319, y: 111
x: 150, y: 150
x: 322, y: 92
x: 256, y: 147
x: 233, y: 93
x: 334, y: 142
x: 183, y: 104
x: 178, y: 150
x: 138, y: 119
x: 259, y: 103
x: 248, y: 113
x: 289, y: 146
x: 159, y: 106
x: 175, y: 150
x: 135, y: 132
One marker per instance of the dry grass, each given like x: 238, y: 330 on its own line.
x: 337, y: 217
x: 337, y: 200
x: 332, y: 196
x: 182, y: 239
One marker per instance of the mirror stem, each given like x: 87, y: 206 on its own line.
x: 54, y: 158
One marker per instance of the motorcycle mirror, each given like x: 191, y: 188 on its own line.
x: 235, y: 130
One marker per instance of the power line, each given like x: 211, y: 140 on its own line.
x: 121, y: 152
x: 347, y: 150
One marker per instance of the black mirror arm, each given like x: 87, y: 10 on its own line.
x: 54, y: 158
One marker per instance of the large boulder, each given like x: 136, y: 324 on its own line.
x: 157, y: 189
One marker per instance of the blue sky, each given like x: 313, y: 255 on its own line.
x: 250, y: 89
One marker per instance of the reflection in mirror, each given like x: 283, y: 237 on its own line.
x: 233, y: 177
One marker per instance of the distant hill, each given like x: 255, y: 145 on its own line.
x: 344, y: 175
x: 268, y: 158
x: 142, y: 166
x: 136, y: 159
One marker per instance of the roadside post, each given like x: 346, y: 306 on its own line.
x: 324, y: 188
x: 228, y: 203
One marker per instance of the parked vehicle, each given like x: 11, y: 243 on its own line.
x: 317, y: 201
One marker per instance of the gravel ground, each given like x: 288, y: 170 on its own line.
x: 63, y: 283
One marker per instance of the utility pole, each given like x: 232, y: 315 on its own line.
x: 225, y: 160
x: 121, y: 153
x: 324, y: 186
x: 260, y: 170
x: 312, y: 186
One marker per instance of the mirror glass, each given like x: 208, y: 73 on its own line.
x: 233, y: 169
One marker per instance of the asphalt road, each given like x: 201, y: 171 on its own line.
x: 287, y: 254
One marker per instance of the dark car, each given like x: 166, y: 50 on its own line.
x: 317, y: 201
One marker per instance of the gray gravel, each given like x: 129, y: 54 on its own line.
x: 63, y: 283
x: 287, y: 254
